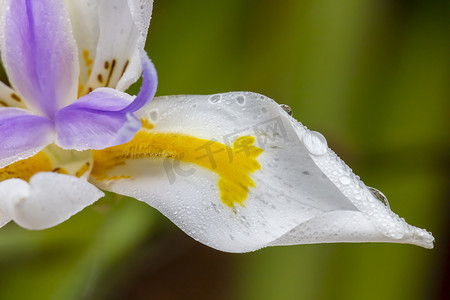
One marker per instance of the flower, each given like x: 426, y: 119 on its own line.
x: 53, y: 53
x: 235, y: 171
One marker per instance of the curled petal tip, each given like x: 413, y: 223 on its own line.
x: 422, y: 238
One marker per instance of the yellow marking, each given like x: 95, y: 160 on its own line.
x: 60, y: 171
x: 88, y: 61
x: 80, y: 89
x: 146, y: 124
x: 3, y: 103
x: 232, y: 164
x: 105, y: 177
x: 26, y: 168
x: 84, y: 168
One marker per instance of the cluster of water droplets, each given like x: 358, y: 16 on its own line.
x: 368, y: 200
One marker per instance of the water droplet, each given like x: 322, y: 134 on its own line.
x: 154, y: 115
x: 240, y: 100
x: 379, y: 195
x: 344, y: 180
x: 287, y: 109
x: 315, y: 142
x: 215, y: 98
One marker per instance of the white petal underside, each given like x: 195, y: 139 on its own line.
x: 4, y: 219
x: 291, y: 190
x: 46, y: 201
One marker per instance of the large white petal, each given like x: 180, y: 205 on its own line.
x: 348, y: 227
x: 46, y: 201
x: 303, y: 193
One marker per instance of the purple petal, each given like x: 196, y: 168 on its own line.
x: 40, y: 55
x: 104, y: 117
x: 96, y: 121
x: 149, y: 85
x: 22, y: 134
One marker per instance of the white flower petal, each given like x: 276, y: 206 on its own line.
x: 85, y: 25
x: 297, y: 197
x: 8, y: 98
x: 119, y: 35
x: 141, y: 11
x: 348, y: 227
x: 47, y: 200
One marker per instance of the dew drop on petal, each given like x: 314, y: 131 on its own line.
x: 240, y: 99
x: 215, y: 98
x: 344, y: 180
x: 287, y: 109
x: 379, y: 195
x: 315, y: 142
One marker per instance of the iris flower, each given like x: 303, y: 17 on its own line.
x: 235, y: 171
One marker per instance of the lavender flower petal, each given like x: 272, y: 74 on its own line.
x: 22, y: 134
x: 96, y: 121
x: 39, y: 54
x: 149, y: 85
x: 104, y: 117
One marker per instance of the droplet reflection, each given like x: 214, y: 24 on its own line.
x: 379, y: 195
x: 315, y: 142
x: 287, y: 109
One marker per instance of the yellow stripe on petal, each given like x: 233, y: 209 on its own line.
x: 232, y: 164
x: 26, y: 168
x: 50, y: 159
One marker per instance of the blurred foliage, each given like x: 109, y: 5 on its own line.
x: 372, y: 76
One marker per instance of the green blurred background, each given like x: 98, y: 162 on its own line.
x: 372, y: 76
